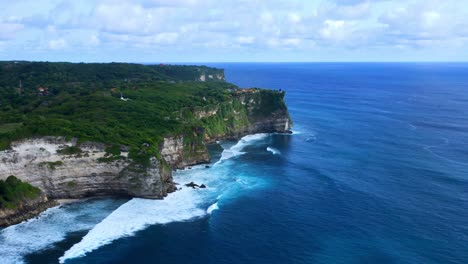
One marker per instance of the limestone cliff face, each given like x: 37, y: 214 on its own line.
x: 179, y: 153
x: 259, y: 111
x: 90, y: 172
x: 38, y: 162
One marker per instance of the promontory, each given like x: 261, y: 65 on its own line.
x: 76, y: 130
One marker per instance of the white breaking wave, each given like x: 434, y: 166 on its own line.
x: 182, y: 205
x: 236, y: 150
x: 136, y: 215
x: 50, y: 227
x: 273, y: 150
x: 212, y: 208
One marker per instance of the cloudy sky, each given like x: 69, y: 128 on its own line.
x: 234, y: 30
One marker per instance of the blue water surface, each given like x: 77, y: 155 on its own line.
x: 376, y: 172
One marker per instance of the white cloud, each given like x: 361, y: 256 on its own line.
x: 423, y: 24
x: 93, y: 41
x: 245, y: 40
x: 9, y: 27
x: 56, y: 44
x: 334, y: 30
x: 430, y: 18
x: 243, y: 26
x: 123, y: 18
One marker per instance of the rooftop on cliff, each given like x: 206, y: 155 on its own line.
x: 85, y: 101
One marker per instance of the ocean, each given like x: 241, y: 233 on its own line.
x: 376, y: 171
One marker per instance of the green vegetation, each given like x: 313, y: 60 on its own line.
x: 70, y: 150
x: 112, y: 154
x: 117, y: 104
x: 13, y: 192
x: 113, y: 150
x: 71, y: 184
x: 52, y: 165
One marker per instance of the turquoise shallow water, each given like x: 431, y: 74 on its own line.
x: 376, y: 172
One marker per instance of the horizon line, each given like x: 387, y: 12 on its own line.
x: 229, y: 62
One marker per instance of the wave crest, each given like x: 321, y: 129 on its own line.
x: 182, y: 205
x: 273, y: 150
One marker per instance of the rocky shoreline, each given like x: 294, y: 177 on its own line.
x: 92, y: 172
x: 25, y: 211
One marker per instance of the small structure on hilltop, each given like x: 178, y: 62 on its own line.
x: 42, y: 91
x: 122, y: 98
x: 245, y: 90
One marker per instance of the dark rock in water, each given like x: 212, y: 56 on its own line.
x: 206, y: 167
x: 192, y: 184
x: 288, y: 132
x: 189, y: 168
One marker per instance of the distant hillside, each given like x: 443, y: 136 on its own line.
x: 114, y: 103
x: 63, y: 74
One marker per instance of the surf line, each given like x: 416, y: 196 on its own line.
x: 182, y: 205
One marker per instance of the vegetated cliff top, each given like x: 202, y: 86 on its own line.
x: 113, y: 103
x: 13, y: 192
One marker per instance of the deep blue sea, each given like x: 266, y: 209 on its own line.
x: 375, y: 172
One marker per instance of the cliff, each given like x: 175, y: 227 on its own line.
x: 91, y: 172
x: 259, y: 111
x: 19, y: 201
x: 120, y: 129
x: 25, y: 210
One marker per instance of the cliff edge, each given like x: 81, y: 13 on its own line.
x: 114, y: 136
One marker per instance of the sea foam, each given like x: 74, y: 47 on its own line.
x: 135, y: 215
x: 273, y: 150
x: 182, y: 205
x: 51, y: 227
x: 236, y: 150
x: 212, y: 207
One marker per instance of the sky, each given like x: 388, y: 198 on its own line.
x: 234, y: 30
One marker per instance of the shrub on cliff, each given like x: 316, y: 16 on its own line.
x: 70, y: 150
x: 13, y: 192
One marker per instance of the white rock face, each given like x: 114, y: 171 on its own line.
x: 37, y: 162
x: 179, y: 156
x: 172, y: 149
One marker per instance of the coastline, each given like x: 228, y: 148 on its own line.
x: 9, y: 217
x: 26, y: 211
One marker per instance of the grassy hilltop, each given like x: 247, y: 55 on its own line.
x: 114, y: 103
